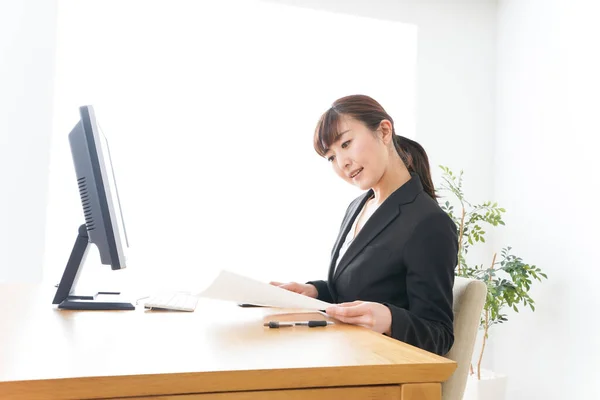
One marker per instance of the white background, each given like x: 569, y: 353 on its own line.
x: 547, y: 177
x: 27, y: 54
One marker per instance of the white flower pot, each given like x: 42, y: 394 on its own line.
x: 491, y: 386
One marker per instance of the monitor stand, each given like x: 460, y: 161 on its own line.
x: 65, y: 296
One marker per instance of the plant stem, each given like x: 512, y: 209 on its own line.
x: 471, y: 369
x: 485, y: 331
x: 485, y: 327
x: 460, y: 235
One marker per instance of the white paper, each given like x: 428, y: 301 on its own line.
x: 233, y: 287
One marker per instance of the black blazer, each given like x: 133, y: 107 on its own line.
x: 403, y: 257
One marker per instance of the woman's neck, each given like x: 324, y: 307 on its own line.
x: 394, y: 176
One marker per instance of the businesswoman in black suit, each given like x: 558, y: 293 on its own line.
x: 392, y: 265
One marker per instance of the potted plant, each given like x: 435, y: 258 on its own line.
x: 508, y: 277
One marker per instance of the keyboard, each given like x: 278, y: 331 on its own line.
x: 176, y: 301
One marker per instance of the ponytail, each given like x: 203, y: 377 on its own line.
x: 416, y: 160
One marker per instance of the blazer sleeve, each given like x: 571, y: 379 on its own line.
x: 430, y: 257
x: 323, y: 291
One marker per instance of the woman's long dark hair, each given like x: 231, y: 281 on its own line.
x: 371, y: 113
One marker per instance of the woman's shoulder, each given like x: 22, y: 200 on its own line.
x: 428, y: 212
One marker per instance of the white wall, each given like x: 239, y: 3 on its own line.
x: 27, y: 43
x: 546, y: 173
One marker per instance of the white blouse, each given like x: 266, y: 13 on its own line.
x: 350, y: 236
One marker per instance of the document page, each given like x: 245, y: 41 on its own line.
x: 233, y: 287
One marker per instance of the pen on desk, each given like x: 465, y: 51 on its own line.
x: 310, y: 324
x: 277, y: 324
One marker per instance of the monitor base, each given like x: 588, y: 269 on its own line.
x: 98, y: 302
x: 66, y: 296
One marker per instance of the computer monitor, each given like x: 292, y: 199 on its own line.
x: 104, y: 225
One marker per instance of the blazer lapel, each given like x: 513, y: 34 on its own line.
x: 385, y: 214
x: 382, y: 217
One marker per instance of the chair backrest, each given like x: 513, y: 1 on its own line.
x: 469, y: 299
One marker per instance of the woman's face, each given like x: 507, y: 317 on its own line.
x: 359, y: 156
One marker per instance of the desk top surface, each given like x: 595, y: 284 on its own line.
x: 219, y: 347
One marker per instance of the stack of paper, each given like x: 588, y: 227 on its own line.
x: 233, y: 287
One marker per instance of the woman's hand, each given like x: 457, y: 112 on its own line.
x: 374, y: 316
x: 302, y: 288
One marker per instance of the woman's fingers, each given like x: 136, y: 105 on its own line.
x: 304, y: 289
x: 293, y: 287
x: 365, y: 320
x: 375, y: 316
x: 356, y: 313
x: 350, y: 304
x: 350, y: 310
x: 289, y: 286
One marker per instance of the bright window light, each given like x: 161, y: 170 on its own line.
x: 209, y: 109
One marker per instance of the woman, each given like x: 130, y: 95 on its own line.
x: 392, y: 266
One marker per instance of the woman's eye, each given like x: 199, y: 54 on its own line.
x: 330, y: 159
x: 345, y: 144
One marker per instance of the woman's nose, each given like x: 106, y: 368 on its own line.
x: 343, y: 163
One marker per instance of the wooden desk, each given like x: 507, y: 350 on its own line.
x: 220, y: 351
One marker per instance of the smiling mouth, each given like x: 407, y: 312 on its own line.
x: 354, y: 175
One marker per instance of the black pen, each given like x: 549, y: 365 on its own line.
x: 310, y: 324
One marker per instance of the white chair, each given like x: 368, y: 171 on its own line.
x: 469, y: 299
